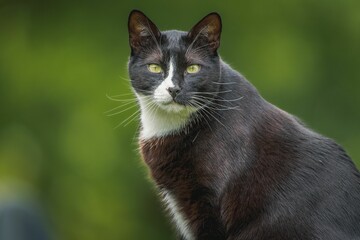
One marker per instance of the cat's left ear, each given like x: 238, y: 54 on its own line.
x: 208, y: 28
x: 141, y: 30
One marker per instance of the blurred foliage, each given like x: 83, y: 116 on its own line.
x: 59, y: 60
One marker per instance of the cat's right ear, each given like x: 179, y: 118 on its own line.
x: 141, y: 30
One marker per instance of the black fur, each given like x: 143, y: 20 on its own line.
x: 241, y: 168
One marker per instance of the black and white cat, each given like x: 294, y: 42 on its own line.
x: 228, y: 164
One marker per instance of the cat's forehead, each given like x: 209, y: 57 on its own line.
x: 171, y: 45
x: 173, y: 39
x: 175, y: 45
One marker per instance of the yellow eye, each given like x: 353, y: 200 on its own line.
x: 193, y: 68
x: 154, y: 68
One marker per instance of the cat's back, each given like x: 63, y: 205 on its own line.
x: 325, y: 188
x: 291, y: 181
x: 314, y: 185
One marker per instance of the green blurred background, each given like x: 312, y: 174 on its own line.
x: 59, y: 60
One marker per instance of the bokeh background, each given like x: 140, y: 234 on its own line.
x: 59, y: 60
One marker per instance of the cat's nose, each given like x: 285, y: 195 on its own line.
x: 174, y: 91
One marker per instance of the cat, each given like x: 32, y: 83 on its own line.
x: 227, y: 163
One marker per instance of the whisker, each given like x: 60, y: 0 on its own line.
x: 124, y: 110
x: 230, y: 100
x: 209, y: 113
x: 218, y: 98
x: 224, y: 83
x: 200, y: 113
x: 114, y: 97
x: 133, y: 118
x: 115, y: 108
x: 124, y: 121
x: 215, y: 92
x: 214, y: 105
x: 152, y: 108
x: 124, y: 78
x: 124, y: 100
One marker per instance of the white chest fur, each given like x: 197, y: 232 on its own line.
x: 178, y: 217
x: 157, y: 122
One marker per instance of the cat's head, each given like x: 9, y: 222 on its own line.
x: 174, y: 70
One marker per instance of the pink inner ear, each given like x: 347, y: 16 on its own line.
x: 211, y: 27
x: 139, y: 26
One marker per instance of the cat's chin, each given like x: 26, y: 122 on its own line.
x: 172, y: 107
x: 166, y: 106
